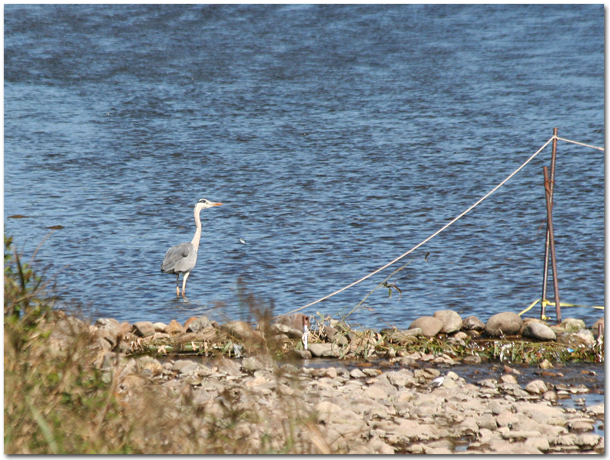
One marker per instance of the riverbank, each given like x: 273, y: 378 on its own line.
x: 257, y: 390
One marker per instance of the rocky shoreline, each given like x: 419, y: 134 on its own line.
x: 401, y: 396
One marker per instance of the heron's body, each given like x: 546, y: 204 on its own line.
x: 183, y: 257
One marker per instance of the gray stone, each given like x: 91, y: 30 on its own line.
x: 587, y: 336
x: 472, y: 323
x: 292, y: 333
x: 228, y: 366
x: 487, y: 421
x: 181, y: 363
x: 375, y: 392
x: 199, y: 324
x: 507, y: 323
x: 573, y: 325
x: 451, y: 320
x: 596, y: 410
x: 357, y: 374
x: 252, y: 364
x: 536, y: 387
x: 143, y: 328
x: 107, y: 323
x: 429, y: 325
x: 508, y: 378
x: 539, y: 331
x: 324, y: 350
x: 159, y: 327
x: 472, y: 359
x: 542, y: 444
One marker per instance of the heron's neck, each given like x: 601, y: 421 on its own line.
x: 197, y: 236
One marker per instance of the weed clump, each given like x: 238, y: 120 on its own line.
x: 65, y: 393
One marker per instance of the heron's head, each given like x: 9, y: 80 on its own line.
x: 203, y: 203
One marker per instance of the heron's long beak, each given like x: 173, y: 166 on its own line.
x: 217, y: 204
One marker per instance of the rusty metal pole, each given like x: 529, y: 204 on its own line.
x: 545, y: 275
x: 549, y: 217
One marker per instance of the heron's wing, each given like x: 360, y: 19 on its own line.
x: 179, y: 259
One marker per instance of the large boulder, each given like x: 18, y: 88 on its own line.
x: 451, y: 321
x: 507, y: 323
x: 429, y: 325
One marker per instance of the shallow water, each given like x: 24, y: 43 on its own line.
x: 337, y: 137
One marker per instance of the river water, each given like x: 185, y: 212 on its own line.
x: 336, y: 137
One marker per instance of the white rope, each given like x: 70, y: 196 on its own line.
x: 427, y: 239
x: 580, y: 143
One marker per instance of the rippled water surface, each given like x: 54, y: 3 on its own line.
x: 337, y: 138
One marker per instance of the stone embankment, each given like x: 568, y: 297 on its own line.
x: 444, y: 335
x: 415, y: 408
x: 367, y: 410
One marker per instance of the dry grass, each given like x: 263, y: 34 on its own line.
x: 57, y: 399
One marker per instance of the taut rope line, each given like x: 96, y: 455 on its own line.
x: 427, y: 239
x: 580, y: 143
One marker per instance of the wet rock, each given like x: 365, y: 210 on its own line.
x: 472, y: 359
x: 550, y: 396
x: 597, y: 410
x: 538, y: 331
x: 429, y: 325
x: 536, y: 387
x: 143, y: 328
x: 472, y: 323
x: 357, y: 374
x: 508, y: 378
x: 546, y: 364
x: 451, y: 320
x: 507, y: 323
x: 174, y: 327
x: 199, y: 324
x: 573, y: 325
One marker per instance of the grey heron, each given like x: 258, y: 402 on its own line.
x: 183, y: 257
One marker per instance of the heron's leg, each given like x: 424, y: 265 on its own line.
x: 178, y: 285
x: 186, y: 275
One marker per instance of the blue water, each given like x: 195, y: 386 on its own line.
x: 337, y: 138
